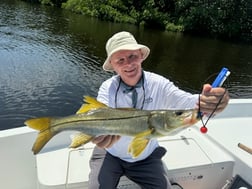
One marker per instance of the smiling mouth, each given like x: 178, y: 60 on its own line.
x: 129, y: 71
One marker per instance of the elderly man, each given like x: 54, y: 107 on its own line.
x: 134, y: 87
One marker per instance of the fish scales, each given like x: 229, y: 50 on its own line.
x: 95, y: 124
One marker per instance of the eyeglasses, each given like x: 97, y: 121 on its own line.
x: 130, y: 58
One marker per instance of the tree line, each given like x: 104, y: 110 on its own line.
x: 230, y: 19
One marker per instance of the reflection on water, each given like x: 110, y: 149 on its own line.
x: 50, y: 58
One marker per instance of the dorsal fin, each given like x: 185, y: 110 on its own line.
x: 89, y: 104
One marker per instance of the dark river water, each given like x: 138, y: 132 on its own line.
x: 50, y: 58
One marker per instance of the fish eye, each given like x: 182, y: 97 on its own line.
x: 178, y: 113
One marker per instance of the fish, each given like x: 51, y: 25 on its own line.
x: 95, y: 118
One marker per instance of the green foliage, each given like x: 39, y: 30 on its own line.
x: 228, y: 18
x: 175, y: 28
x: 110, y: 13
x: 86, y: 7
x: 112, y: 10
x: 46, y: 2
x: 52, y: 2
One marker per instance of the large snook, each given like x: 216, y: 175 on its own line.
x: 94, y: 119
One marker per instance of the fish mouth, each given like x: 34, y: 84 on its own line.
x: 192, y: 119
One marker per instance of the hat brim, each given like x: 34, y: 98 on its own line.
x: 144, y: 49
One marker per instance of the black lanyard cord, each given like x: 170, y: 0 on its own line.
x: 200, y: 114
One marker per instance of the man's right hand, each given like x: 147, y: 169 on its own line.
x: 106, y: 141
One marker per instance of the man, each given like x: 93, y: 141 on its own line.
x: 133, y: 87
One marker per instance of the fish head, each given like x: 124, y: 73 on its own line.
x: 167, y: 121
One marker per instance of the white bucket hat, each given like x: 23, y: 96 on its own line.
x: 122, y: 41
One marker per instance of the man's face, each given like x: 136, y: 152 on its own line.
x: 128, y: 64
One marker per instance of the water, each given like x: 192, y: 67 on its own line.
x: 50, y: 58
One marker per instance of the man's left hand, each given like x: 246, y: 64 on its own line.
x: 210, y: 98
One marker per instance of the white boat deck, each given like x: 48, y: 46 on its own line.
x: 194, y: 160
x: 184, y: 156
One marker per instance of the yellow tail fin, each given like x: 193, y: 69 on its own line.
x: 44, y: 135
x: 39, y: 124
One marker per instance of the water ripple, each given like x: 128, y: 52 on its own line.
x: 50, y: 58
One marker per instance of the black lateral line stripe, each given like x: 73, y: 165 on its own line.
x: 112, y: 119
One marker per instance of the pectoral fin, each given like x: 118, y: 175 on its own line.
x: 139, y: 143
x: 80, y: 139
